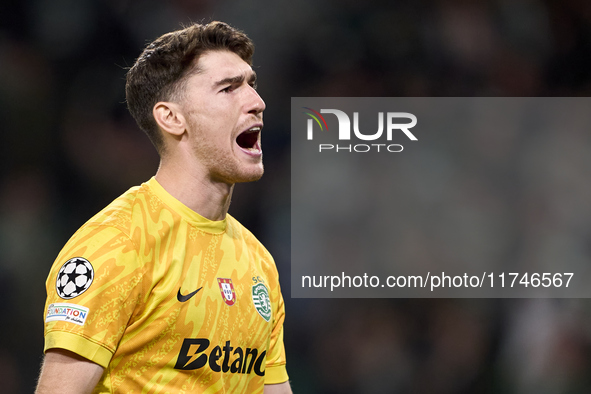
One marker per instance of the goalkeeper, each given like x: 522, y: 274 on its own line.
x: 163, y: 290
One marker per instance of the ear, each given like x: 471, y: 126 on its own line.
x: 169, y: 117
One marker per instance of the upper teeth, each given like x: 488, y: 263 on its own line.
x: 256, y: 128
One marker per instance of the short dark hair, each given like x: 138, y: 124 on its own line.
x: 160, y: 71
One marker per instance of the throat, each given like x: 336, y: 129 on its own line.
x: 206, y: 197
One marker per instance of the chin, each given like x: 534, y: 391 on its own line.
x: 251, y: 177
x: 244, y: 175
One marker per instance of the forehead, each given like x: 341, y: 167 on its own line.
x: 217, y: 65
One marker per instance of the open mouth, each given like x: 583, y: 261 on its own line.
x: 249, y: 140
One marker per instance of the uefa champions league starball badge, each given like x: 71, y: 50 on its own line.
x: 74, y: 278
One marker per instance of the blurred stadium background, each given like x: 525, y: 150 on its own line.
x: 68, y: 147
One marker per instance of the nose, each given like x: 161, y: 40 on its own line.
x: 256, y: 105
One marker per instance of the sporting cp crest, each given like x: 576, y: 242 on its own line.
x: 227, y: 290
x: 262, y: 303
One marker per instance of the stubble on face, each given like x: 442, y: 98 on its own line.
x: 217, y: 160
x: 215, y: 118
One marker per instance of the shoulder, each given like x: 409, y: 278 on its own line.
x: 109, y: 232
x: 260, y: 253
x: 104, y: 245
x: 119, y: 213
x: 236, y: 230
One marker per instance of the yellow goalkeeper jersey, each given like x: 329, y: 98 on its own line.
x: 167, y: 301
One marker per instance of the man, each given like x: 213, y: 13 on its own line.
x: 163, y: 291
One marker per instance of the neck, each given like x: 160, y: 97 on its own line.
x: 196, y: 190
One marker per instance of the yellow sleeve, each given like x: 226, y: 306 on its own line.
x: 79, y: 345
x: 275, y: 370
x: 93, y: 289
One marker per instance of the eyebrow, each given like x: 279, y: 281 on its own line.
x: 237, y: 79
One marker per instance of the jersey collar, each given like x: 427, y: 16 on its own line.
x: 210, y: 226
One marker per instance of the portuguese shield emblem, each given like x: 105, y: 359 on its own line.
x: 261, y: 300
x: 227, y: 290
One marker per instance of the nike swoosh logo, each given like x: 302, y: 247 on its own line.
x: 185, y: 298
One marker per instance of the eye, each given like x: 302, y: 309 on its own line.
x: 227, y: 89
